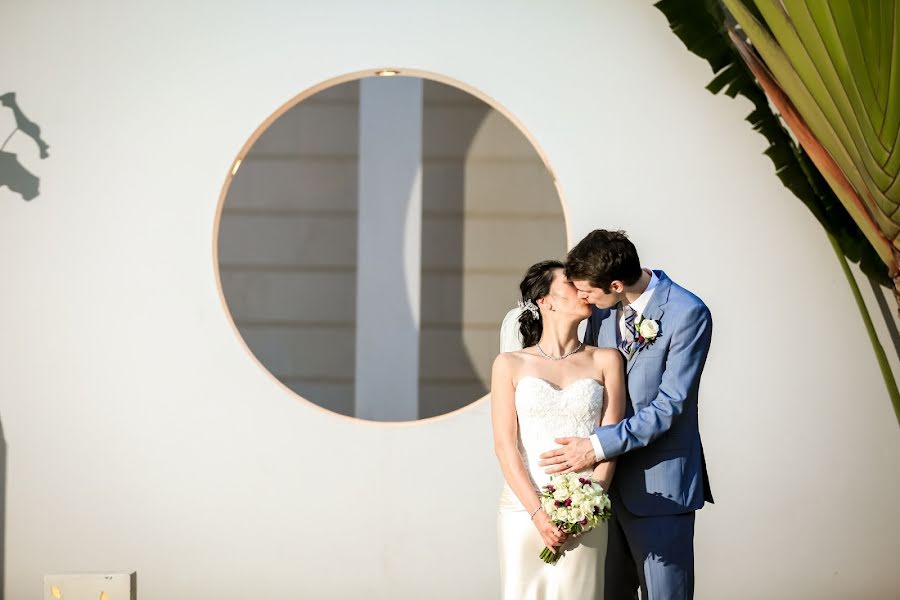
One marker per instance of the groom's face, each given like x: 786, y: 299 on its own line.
x: 597, y: 296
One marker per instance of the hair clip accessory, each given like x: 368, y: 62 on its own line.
x: 530, y: 307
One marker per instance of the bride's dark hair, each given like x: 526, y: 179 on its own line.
x: 534, y: 286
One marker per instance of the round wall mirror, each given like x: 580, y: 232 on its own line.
x: 372, y: 238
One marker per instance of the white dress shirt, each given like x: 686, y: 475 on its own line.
x: 638, y: 305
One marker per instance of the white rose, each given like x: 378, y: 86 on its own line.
x: 648, y: 329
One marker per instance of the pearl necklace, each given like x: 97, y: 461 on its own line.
x: 545, y: 355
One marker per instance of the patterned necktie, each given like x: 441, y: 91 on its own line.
x: 628, y: 340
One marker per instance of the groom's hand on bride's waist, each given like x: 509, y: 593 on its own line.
x: 573, y: 454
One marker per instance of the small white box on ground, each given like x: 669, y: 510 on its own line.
x: 90, y: 586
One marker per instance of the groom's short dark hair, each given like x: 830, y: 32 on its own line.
x: 603, y: 257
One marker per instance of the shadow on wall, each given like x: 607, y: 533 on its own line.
x: 448, y: 379
x: 490, y: 209
x: 12, y: 173
x: 887, y: 313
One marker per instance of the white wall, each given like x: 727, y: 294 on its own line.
x: 142, y: 436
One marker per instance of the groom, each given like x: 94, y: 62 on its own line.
x: 664, y: 332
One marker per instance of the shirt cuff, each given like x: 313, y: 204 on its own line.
x: 598, y: 449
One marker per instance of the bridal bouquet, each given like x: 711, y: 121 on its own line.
x: 575, y: 505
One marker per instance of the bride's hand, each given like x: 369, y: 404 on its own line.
x: 552, y: 535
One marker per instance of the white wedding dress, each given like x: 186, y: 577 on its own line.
x: 545, y: 413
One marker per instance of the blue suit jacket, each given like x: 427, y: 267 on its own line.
x: 661, y: 469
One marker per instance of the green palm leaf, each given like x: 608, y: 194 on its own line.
x: 832, y: 69
x: 701, y: 27
x: 836, y: 62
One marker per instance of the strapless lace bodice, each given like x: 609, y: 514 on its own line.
x: 546, y: 412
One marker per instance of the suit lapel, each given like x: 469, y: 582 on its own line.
x: 655, y: 309
x: 607, y: 335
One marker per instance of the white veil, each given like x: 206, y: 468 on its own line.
x: 510, y: 338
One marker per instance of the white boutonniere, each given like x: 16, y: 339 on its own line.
x: 647, y: 332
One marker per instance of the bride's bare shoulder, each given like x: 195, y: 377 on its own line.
x: 604, y: 356
x: 512, y: 357
x: 512, y: 361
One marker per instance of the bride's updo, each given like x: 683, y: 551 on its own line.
x: 534, y: 286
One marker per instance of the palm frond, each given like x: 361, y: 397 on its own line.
x: 702, y: 27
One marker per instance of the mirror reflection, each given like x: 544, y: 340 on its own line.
x: 372, y: 241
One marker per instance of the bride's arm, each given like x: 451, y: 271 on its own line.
x: 611, y: 364
x: 506, y: 447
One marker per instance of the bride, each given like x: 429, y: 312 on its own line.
x: 554, y: 387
